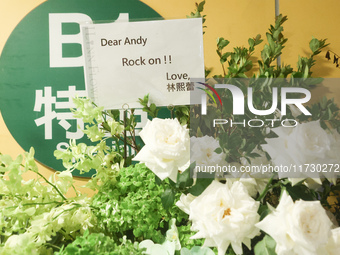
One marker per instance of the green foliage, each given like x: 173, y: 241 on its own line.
x: 184, y: 234
x: 98, y: 243
x: 276, y: 41
x: 200, y: 185
x: 238, y: 141
x: 106, y: 123
x: 300, y: 191
x: 326, y: 111
x: 84, y: 157
x: 183, y: 183
x: 182, y: 113
x: 239, y: 62
x: 305, y: 64
x: 152, y: 110
x: 104, y: 126
x: 198, y: 12
x: 133, y: 206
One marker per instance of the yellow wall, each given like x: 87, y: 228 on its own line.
x: 235, y: 20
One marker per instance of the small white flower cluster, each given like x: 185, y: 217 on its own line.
x: 71, y: 218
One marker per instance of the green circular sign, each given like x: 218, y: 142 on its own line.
x: 41, y: 69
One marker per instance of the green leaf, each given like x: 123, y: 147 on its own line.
x: 168, y: 198
x: 306, y: 72
x: 300, y: 191
x: 199, y: 132
x: 221, y: 43
x: 251, y: 42
x: 266, y: 246
x: 235, y: 141
x: 184, y: 180
x: 314, y: 45
x: 200, y: 6
x: 146, y: 98
x: 200, y: 186
x: 153, y: 107
x: 263, y: 211
x: 218, y: 150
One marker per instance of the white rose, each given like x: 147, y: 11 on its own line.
x: 333, y: 154
x: 299, y: 228
x: 167, y: 147
x: 307, y: 143
x: 333, y: 246
x: 255, y: 182
x: 224, y: 214
x: 254, y: 186
x: 202, y: 150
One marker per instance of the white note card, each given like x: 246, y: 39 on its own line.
x: 125, y: 61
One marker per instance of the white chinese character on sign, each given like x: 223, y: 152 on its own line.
x: 47, y: 100
x: 59, y: 110
x: 64, y: 116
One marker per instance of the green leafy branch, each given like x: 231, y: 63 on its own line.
x: 151, y: 109
x: 326, y: 111
x: 198, y: 12
x: 239, y: 60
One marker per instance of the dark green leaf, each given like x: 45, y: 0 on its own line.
x: 168, y: 198
x: 218, y: 150
x: 200, y: 186
x: 221, y: 43
x: 184, y: 180
x: 263, y: 211
x: 300, y: 191
x: 200, y: 6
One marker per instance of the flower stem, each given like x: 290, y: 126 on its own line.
x: 55, y: 187
x: 29, y: 204
x: 266, y: 189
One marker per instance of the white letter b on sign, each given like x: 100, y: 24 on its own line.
x: 57, y: 39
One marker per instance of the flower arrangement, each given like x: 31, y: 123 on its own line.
x: 156, y: 207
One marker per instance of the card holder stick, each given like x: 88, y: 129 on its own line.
x: 125, y: 107
x: 171, y: 108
